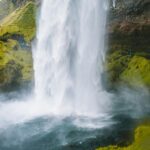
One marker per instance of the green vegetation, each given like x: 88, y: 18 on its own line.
x: 137, y: 72
x: 141, y: 141
x: 15, y: 63
x: 16, y: 32
x: 115, y: 65
x: 128, y: 60
x: 132, y: 70
x: 20, y: 22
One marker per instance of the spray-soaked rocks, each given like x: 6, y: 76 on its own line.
x: 127, y: 69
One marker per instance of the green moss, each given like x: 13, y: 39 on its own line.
x: 10, y: 74
x: 15, y: 61
x: 115, y: 65
x: 129, y: 54
x: 141, y: 142
x: 15, y: 65
x: 137, y: 72
x: 24, y: 58
x: 132, y: 70
x: 21, y: 22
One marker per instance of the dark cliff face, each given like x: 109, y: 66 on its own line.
x: 129, y: 42
x: 129, y: 25
x: 130, y: 9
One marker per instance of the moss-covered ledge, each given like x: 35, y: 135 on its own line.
x: 141, y: 140
x: 128, y: 57
x: 130, y: 70
x: 137, y: 73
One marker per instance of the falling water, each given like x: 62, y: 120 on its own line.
x: 69, y: 107
x: 68, y: 60
x: 114, y: 3
x: 69, y: 56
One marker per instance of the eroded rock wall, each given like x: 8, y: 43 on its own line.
x: 128, y: 33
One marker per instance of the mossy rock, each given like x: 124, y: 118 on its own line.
x: 141, y: 141
x: 24, y: 58
x: 15, y: 64
x: 137, y: 73
x: 21, y: 22
x: 116, y: 63
x: 15, y: 67
x: 130, y: 70
x: 17, y: 30
x: 10, y: 74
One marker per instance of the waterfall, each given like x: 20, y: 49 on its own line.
x: 69, y: 55
x: 114, y: 3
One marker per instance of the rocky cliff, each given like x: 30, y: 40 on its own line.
x: 128, y: 58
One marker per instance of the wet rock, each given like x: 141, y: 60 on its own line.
x: 10, y: 74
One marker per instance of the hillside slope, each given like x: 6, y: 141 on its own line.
x: 16, y: 32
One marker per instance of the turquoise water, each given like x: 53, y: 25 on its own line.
x: 64, y: 134
x: 56, y: 132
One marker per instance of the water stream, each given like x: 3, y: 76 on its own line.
x: 69, y: 56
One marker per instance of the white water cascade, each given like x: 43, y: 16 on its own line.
x: 114, y: 3
x: 69, y: 56
x: 68, y: 62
